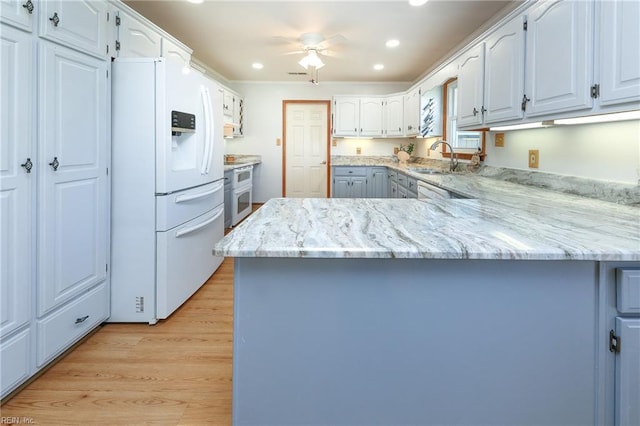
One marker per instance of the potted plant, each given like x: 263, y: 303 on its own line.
x: 404, y: 152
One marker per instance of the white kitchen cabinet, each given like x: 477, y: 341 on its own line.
x: 619, y: 44
x: 346, y: 116
x: 135, y: 38
x: 227, y: 106
x: 504, y: 73
x: 17, y: 186
x: 20, y: 14
x: 54, y: 205
x: 73, y: 148
x: 412, y: 112
x: 173, y: 52
x: 371, y: 113
x: 80, y: 24
x: 393, y: 115
x: 471, y: 87
x: 559, y: 57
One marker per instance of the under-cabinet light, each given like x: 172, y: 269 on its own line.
x: 603, y: 118
x: 536, y: 125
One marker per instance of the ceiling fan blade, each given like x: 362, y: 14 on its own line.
x: 295, y: 52
x: 332, y: 41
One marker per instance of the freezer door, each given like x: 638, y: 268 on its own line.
x: 185, y: 259
x: 179, y: 207
x: 188, y: 159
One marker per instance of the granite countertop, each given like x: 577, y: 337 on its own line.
x: 241, y: 161
x: 500, y: 220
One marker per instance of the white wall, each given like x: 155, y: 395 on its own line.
x: 606, y: 151
x: 263, y: 124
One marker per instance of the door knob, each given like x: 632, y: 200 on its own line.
x: 55, y: 19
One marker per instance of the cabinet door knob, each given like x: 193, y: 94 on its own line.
x: 55, y: 163
x: 475, y: 111
x: 55, y: 19
x: 28, y: 165
x: 29, y: 6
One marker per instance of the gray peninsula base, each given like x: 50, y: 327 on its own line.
x: 420, y: 342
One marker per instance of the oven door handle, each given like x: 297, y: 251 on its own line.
x: 185, y: 231
x: 184, y: 198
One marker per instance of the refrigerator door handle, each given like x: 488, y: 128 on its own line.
x: 211, y: 132
x: 184, y: 198
x: 207, y: 128
x: 185, y: 231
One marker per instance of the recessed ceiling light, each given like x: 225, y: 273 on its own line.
x: 378, y: 67
x: 195, y: 1
x: 257, y: 65
x: 392, y: 43
x: 417, y: 2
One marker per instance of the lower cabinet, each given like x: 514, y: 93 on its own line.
x: 349, y: 182
x: 377, y: 182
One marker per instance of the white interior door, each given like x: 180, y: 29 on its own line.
x: 306, y: 139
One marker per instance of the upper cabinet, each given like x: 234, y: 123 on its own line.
x: 371, y: 117
x: 393, y: 115
x: 559, y: 57
x: 471, y: 87
x: 79, y: 24
x: 134, y: 38
x: 619, y: 44
x: 346, y: 116
x: 412, y: 112
x: 19, y: 14
x: 546, y: 63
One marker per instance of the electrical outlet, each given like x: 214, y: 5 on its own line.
x: 334, y: 142
x: 395, y: 150
x: 278, y: 142
x: 499, y: 140
x: 358, y: 150
x: 534, y: 157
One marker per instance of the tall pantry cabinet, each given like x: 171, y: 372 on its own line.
x: 54, y: 199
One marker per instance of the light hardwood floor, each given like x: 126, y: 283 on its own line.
x: 177, y: 372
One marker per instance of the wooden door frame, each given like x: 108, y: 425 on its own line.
x: 285, y: 103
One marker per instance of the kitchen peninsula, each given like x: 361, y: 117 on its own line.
x: 490, y: 310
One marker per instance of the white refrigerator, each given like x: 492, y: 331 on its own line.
x: 167, y: 180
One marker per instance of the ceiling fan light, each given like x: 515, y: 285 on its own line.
x: 311, y: 60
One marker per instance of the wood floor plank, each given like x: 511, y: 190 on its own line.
x: 177, y: 372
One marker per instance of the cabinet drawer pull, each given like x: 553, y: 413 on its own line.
x: 28, y: 165
x: 82, y: 319
x: 55, y: 19
x: 29, y: 6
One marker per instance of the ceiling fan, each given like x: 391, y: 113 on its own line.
x: 315, y: 45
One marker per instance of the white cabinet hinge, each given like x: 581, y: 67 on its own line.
x: 117, y: 45
x: 595, y: 91
x: 614, y: 342
x: 117, y: 21
x: 524, y: 26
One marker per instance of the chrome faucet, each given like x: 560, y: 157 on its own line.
x: 454, y: 161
